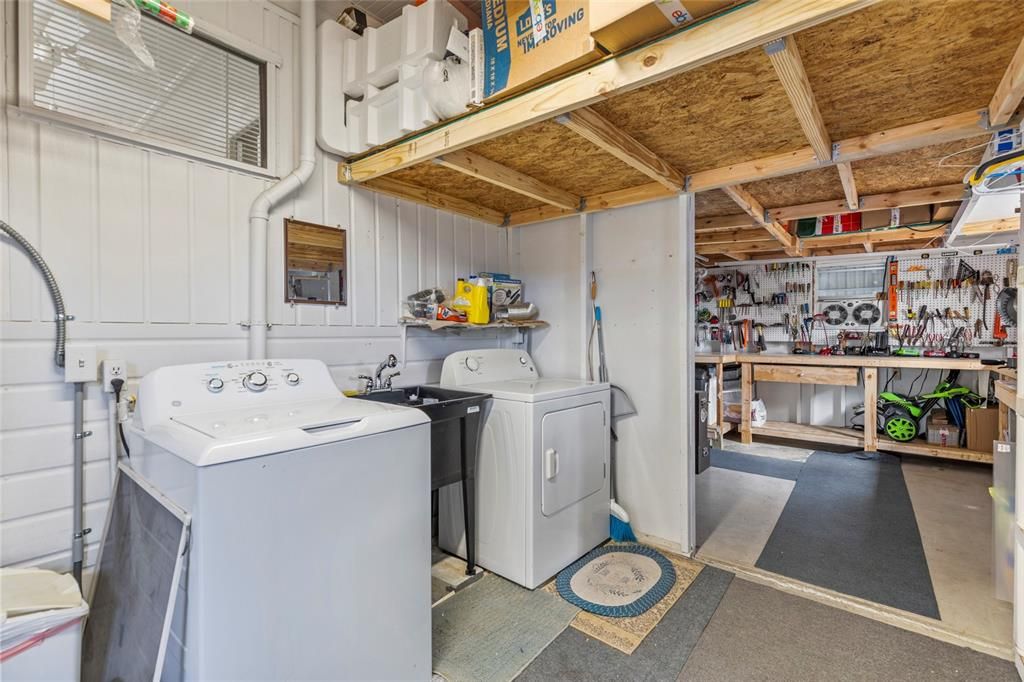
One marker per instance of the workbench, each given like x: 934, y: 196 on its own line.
x: 836, y: 370
x: 719, y: 361
x: 1006, y: 394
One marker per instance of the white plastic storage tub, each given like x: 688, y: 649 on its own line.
x: 41, y: 632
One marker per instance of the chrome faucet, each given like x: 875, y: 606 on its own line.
x: 377, y: 382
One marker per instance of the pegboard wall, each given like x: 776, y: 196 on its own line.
x: 782, y: 296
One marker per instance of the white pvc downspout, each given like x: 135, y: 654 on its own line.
x: 259, y: 213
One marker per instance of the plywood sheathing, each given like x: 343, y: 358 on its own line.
x: 917, y: 168
x: 715, y: 203
x: 821, y: 184
x: 903, y: 61
x: 729, y: 111
x: 462, y: 186
x: 559, y: 157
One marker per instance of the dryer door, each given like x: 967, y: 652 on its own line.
x: 572, y: 456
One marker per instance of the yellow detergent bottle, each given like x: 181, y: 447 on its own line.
x: 479, y: 310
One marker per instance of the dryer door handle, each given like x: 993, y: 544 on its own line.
x: 550, y: 463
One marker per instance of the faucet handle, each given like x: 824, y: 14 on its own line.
x: 368, y: 387
x: 387, y: 382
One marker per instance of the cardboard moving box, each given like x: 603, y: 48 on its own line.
x: 982, y: 428
x: 530, y: 41
x: 620, y: 24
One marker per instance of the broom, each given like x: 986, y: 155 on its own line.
x: 619, y: 528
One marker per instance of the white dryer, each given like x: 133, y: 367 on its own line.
x: 309, y: 557
x: 542, y: 471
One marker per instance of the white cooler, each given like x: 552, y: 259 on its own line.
x: 41, y: 631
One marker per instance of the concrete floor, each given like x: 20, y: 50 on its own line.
x: 737, y: 511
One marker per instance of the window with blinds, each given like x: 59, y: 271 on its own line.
x: 200, y: 96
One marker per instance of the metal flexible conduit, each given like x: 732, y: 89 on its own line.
x: 51, y: 284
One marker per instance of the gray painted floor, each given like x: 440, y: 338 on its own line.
x: 758, y: 633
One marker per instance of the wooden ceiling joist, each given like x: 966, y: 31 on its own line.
x: 874, y: 237
x: 914, y: 197
x: 732, y: 33
x: 723, y: 222
x: 730, y: 237
x: 593, y: 127
x: 1010, y: 91
x: 991, y: 226
x: 849, y: 186
x: 785, y: 57
x: 422, y: 195
x: 755, y: 210
x: 476, y: 166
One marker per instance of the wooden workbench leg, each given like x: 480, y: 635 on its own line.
x: 720, y: 386
x: 870, y: 409
x: 1004, y: 420
x: 746, y: 389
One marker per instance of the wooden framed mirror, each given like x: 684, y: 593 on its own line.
x: 316, y: 266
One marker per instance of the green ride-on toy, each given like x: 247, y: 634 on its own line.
x: 900, y: 416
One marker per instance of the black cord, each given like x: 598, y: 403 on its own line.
x: 118, y: 384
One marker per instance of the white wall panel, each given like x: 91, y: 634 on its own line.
x: 122, y: 226
x: 152, y: 254
x: 167, y: 262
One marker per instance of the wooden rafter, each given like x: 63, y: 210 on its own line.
x: 914, y: 197
x: 991, y: 226
x: 785, y: 57
x: 729, y: 34
x: 1010, y: 91
x: 593, y: 127
x: 729, y: 237
x: 723, y: 222
x: 753, y: 207
x: 476, y: 166
x: 874, y: 237
x: 422, y: 195
x: 849, y: 185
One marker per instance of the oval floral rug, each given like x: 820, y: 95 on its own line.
x: 617, y: 580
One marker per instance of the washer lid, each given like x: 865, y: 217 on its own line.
x: 217, y: 437
x: 536, y: 390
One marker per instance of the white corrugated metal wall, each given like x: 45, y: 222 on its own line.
x: 151, y: 251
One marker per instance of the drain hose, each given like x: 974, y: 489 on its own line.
x: 51, y: 284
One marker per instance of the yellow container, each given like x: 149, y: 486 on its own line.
x: 479, y: 309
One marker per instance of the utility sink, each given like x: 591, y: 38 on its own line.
x: 455, y: 421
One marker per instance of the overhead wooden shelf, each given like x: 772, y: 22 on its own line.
x: 793, y: 108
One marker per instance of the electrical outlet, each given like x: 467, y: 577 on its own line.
x: 113, y: 369
x: 79, y: 363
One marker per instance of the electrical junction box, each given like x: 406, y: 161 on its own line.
x: 79, y: 363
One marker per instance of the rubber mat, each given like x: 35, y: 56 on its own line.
x: 849, y: 526
x: 756, y: 464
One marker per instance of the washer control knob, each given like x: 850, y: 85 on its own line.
x: 292, y: 379
x: 215, y: 385
x: 255, y: 381
x: 472, y: 364
x: 523, y: 360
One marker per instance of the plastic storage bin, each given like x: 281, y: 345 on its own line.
x: 41, y: 634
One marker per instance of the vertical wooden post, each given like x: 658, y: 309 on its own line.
x: 746, y: 391
x: 1004, y: 420
x: 870, y: 409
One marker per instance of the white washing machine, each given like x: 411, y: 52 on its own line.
x: 310, y: 549
x: 542, y: 472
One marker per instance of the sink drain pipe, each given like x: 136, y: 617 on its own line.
x: 259, y: 212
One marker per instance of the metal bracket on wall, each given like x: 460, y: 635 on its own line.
x: 247, y: 325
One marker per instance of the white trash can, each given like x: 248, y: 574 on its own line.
x: 41, y: 632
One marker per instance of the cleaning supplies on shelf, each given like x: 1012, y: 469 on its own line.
x: 479, y: 306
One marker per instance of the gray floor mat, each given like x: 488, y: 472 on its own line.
x: 849, y: 526
x: 756, y: 464
x: 759, y: 633
x: 574, y: 656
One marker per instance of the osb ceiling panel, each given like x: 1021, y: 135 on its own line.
x: 904, y: 61
x: 731, y: 110
x: 461, y: 186
x: 560, y: 158
x: 821, y: 184
x: 715, y: 203
x: 918, y: 167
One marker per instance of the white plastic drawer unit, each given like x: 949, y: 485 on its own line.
x: 569, y: 440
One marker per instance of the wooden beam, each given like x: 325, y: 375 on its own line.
x: 730, y: 237
x: 849, y: 185
x: 913, y: 197
x: 991, y: 226
x: 422, y: 195
x: 729, y: 34
x: 874, y: 237
x: 869, y: 247
x: 595, y: 202
x: 738, y: 247
x: 904, y: 138
x: 1010, y: 90
x: 785, y: 57
x: 737, y: 256
x: 476, y: 166
x: 593, y: 127
x: 753, y: 207
x: 723, y: 222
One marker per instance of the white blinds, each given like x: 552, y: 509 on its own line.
x: 200, y: 95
